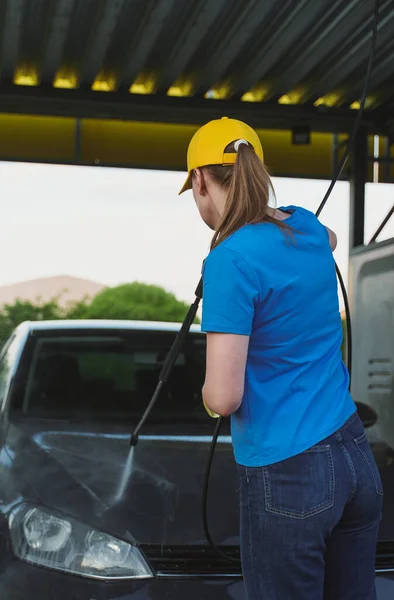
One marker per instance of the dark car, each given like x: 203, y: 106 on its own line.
x: 82, y: 515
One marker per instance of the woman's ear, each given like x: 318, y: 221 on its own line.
x: 200, y: 182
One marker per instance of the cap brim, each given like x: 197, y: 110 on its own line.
x: 187, y: 185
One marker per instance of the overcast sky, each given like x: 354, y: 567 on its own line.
x: 119, y: 225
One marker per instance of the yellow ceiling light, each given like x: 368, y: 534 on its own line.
x: 217, y: 93
x: 256, y: 94
x: 26, y: 76
x: 104, y: 85
x: 104, y: 82
x: 285, y: 100
x: 65, y: 81
x: 180, y: 90
x: 328, y: 100
x: 142, y: 85
x: 293, y: 97
x: 369, y: 101
x: 249, y: 97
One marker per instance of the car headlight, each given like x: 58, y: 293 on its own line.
x: 64, y: 544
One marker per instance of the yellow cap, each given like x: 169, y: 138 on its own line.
x: 207, y: 146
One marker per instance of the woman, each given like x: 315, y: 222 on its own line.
x: 310, y: 491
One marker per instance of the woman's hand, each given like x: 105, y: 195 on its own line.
x: 225, y: 372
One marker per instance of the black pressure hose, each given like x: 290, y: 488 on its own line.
x: 169, y: 361
x: 349, y: 145
x: 178, y: 342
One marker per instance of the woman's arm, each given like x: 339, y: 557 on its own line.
x: 225, y: 372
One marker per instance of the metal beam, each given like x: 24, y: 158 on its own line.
x: 36, y: 30
x: 187, y: 44
x: 388, y: 159
x: 383, y: 70
x: 156, y: 13
x: 117, y: 105
x: 3, y: 11
x: 360, y: 45
x: 387, y: 113
x: 57, y: 38
x: 336, y: 26
x: 11, y: 39
x: 238, y: 35
x: 358, y: 176
x: 102, y: 37
x: 285, y: 32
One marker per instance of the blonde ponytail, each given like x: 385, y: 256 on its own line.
x: 249, y: 186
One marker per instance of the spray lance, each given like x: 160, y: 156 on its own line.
x: 180, y: 338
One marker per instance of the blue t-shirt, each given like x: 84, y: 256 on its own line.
x: 281, y: 290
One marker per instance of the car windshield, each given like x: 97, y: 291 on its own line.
x: 108, y: 375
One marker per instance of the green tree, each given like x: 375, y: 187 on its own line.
x: 137, y: 301
x: 11, y: 315
x: 77, y: 310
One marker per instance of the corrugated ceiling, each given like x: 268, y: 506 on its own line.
x: 278, y: 60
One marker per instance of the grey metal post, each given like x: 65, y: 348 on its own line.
x: 358, y: 177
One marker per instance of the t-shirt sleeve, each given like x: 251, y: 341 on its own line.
x: 320, y: 229
x: 230, y: 293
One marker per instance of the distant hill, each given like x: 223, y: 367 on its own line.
x: 70, y: 289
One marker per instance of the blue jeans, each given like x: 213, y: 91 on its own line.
x: 309, y: 524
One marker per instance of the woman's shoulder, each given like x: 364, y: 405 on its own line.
x: 297, y: 211
x: 240, y: 240
x: 235, y: 248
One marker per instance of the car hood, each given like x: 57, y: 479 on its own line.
x: 150, y: 494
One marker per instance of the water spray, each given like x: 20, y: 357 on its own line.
x: 163, y: 378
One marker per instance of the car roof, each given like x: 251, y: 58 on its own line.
x: 102, y: 324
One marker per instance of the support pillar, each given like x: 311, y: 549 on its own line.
x: 358, y: 178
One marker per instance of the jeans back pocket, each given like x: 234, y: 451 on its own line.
x: 301, y: 486
x: 365, y: 449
